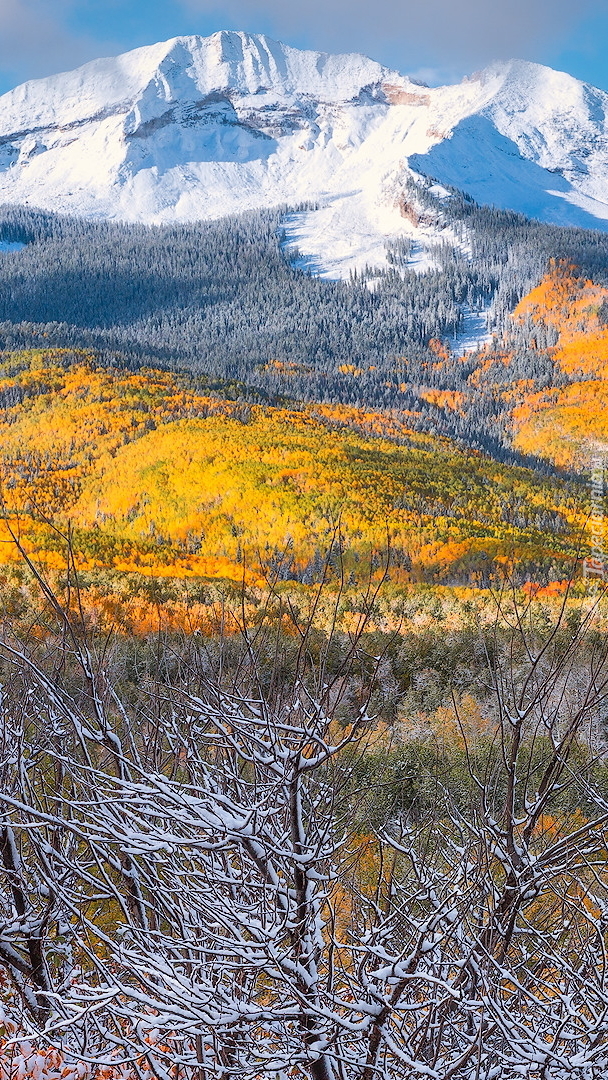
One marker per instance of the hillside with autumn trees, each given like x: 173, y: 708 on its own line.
x: 155, y: 475
x: 543, y: 382
x: 568, y: 420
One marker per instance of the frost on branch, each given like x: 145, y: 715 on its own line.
x: 194, y: 890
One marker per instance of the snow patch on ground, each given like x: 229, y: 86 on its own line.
x: 473, y: 333
x: 348, y: 235
x: 337, y: 240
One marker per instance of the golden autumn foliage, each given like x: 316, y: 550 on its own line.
x: 561, y: 422
x: 350, y: 369
x: 439, y: 348
x: 564, y: 423
x: 444, y: 399
x: 156, y: 476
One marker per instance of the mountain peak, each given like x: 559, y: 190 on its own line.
x: 228, y: 59
x: 198, y: 127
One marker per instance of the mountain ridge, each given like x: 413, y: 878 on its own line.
x: 195, y: 128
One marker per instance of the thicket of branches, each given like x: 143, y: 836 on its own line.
x: 206, y: 879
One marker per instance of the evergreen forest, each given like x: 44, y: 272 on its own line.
x: 224, y: 298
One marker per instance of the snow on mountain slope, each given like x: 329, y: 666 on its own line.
x: 537, y: 144
x: 199, y: 127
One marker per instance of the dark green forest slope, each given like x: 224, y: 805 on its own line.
x: 221, y: 298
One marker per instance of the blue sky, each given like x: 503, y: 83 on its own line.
x: 437, y: 40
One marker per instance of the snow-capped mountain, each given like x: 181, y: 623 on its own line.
x: 199, y: 127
